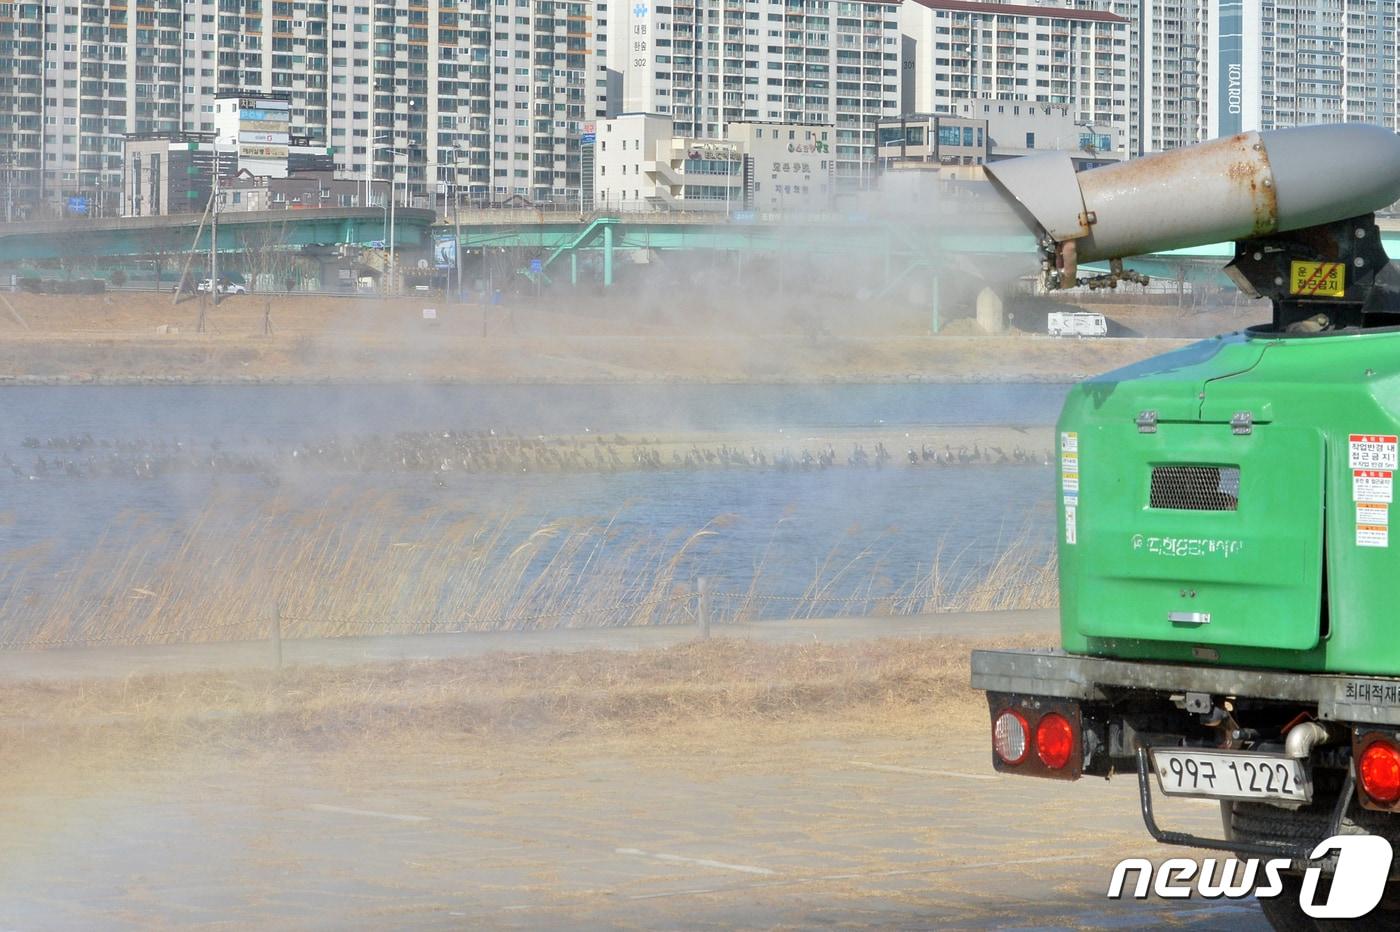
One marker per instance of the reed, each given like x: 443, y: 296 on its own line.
x: 358, y: 564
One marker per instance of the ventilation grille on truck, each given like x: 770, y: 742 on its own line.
x: 1196, y: 488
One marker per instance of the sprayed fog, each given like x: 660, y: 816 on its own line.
x: 583, y: 504
x: 831, y: 500
x: 795, y: 782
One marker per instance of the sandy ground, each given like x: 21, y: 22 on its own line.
x: 729, y: 783
x: 131, y: 336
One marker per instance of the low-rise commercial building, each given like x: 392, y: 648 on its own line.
x: 641, y: 164
x: 171, y: 173
x: 995, y: 130
x: 307, y: 191
x: 935, y: 139
x: 1015, y: 128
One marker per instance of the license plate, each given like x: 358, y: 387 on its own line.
x: 1231, y: 775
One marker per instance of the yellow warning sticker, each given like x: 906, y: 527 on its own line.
x: 1318, y: 279
x: 1372, y: 524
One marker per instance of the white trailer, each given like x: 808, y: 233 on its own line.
x: 1077, y: 324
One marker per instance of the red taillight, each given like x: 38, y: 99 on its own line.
x: 1011, y: 737
x: 1379, y: 769
x: 1054, y: 740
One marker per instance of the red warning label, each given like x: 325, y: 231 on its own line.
x: 1372, y: 451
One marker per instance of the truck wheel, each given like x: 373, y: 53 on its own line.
x: 1284, y: 913
x: 1259, y: 821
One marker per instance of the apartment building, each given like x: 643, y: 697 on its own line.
x: 1286, y: 63
x: 1206, y: 68
x: 709, y: 63
x: 962, y: 54
x: 487, y: 94
x: 1166, y: 70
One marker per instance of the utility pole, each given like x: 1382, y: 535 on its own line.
x: 214, y: 235
x: 213, y: 294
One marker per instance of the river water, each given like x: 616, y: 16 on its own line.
x: 788, y: 527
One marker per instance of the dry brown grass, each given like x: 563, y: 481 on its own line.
x: 363, y: 565
x: 113, y: 337
x: 354, y: 565
x: 702, y: 708
x: 1023, y: 576
x: 504, y: 697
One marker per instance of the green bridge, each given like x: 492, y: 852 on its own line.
x: 85, y: 240
x: 547, y: 247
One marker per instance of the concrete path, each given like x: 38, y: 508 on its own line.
x: 86, y: 662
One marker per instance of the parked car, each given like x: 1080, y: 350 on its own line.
x: 224, y: 287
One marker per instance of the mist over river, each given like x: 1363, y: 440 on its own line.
x: 775, y: 529
x: 282, y: 413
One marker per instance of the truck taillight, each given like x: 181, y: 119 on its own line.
x: 1011, y: 737
x: 1378, y: 769
x: 1054, y: 740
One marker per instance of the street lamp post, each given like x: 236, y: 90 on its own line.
x: 1092, y: 146
x: 393, y: 256
x: 369, y: 166
x: 971, y: 72
x: 9, y: 187
x: 729, y: 182
x: 457, y: 217
x: 393, y: 181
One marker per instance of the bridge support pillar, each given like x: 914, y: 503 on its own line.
x: 935, y: 323
x: 573, y: 268
x: 991, y: 313
x: 607, y: 255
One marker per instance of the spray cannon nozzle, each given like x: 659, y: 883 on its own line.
x: 1235, y: 188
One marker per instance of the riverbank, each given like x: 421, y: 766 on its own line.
x: 130, y: 338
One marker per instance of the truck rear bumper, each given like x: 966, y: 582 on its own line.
x: 1338, y: 697
x: 1122, y: 711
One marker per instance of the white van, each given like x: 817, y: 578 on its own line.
x: 1077, y: 324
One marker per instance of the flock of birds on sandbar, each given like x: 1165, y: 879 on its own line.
x: 484, y: 451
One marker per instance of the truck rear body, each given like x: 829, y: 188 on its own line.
x: 1226, y: 583
x: 1229, y: 504
x: 1227, y: 577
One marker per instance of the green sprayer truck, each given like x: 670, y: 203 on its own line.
x: 1229, y: 592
